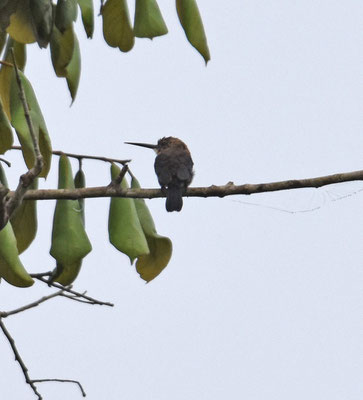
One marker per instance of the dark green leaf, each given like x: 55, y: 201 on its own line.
x: 21, y: 24
x: 42, y: 18
x: 65, y: 14
x: 7, y: 7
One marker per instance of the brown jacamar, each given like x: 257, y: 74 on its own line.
x: 173, y: 167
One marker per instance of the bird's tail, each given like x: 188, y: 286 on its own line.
x: 174, y: 198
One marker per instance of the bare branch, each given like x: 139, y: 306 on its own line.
x: 63, y: 381
x: 4, y: 314
x: 121, y: 175
x: 212, y: 191
x: 83, y: 156
x: 19, y: 359
x: 76, y: 295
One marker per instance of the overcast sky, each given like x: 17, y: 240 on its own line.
x: 256, y: 303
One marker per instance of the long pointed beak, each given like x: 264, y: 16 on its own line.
x: 149, y: 146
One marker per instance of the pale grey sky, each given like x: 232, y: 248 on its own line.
x: 255, y: 304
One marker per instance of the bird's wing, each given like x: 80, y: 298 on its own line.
x: 184, y: 170
x: 162, y: 169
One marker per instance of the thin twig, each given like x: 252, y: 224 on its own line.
x: 63, y: 381
x: 4, y: 314
x: 83, y: 156
x: 116, y: 182
x: 67, y: 289
x: 19, y: 359
x: 211, y: 191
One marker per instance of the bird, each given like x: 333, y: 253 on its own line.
x: 173, y: 167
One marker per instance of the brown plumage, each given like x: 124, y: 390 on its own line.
x: 174, y: 169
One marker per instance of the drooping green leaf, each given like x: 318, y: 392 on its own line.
x: 24, y: 222
x: 21, y: 23
x: 65, y: 14
x: 42, y: 19
x: 11, y: 268
x: 70, y: 242
x: 192, y: 24
x: 150, y: 265
x: 117, y: 29
x: 73, y: 70
x: 66, y: 274
x: 62, y: 49
x: 66, y: 58
x: 18, y: 121
x: 6, y: 133
x: 86, y: 7
x: 148, y: 21
x: 6, y: 71
x: 124, y: 228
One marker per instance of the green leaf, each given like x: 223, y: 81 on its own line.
x: 148, y: 21
x: 70, y: 242
x: 192, y: 24
x: 73, y: 70
x: 24, y: 222
x: 86, y: 7
x: 66, y: 58
x: 149, y: 266
x: 61, y: 49
x: 11, y: 268
x: 42, y: 19
x: 66, y: 274
x: 124, y: 228
x: 21, y: 24
x: 18, y: 121
x: 6, y: 133
x: 7, y: 7
x: 6, y: 73
x: 117, y: 29
x: 65, y: 14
